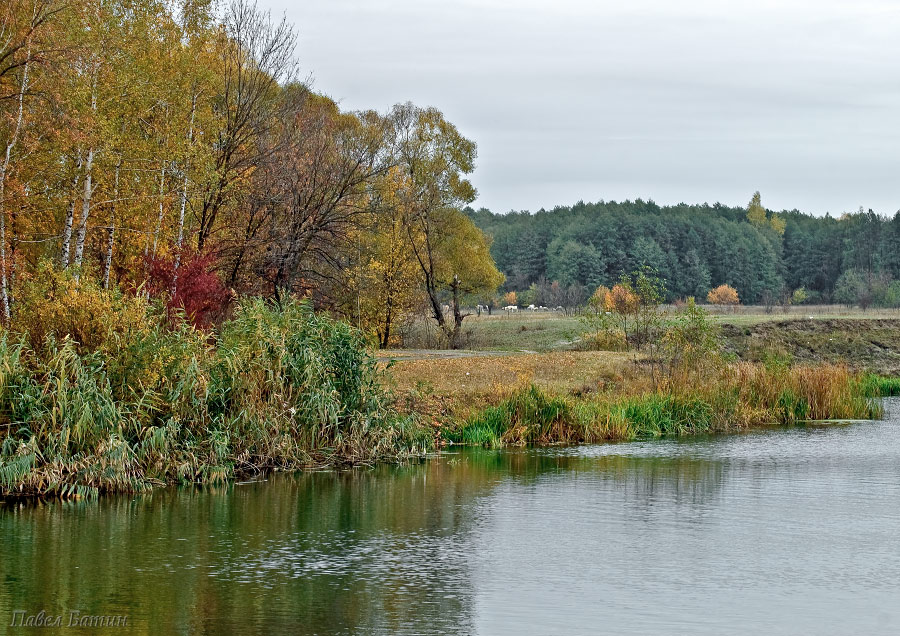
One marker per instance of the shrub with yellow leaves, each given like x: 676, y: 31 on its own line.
x: 55, y: 304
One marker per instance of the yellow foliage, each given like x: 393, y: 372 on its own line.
x: 53, y: 303
x: 723, y: 295
x: 621, y: 300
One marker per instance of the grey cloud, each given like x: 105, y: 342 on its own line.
x: 676, y: 101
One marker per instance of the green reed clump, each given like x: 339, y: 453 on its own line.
x: 737, y: 396
x: 880, y: 386
x: 276, y: 387
x: 528, y: 416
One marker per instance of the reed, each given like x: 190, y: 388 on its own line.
x: 880, y: 386
x: 275, y: 388
x: 735, y: 397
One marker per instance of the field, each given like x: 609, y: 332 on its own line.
x: 543, y: 331
x: 508, y: 352
x: 458, y: 385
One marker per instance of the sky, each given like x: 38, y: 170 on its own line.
x: 689, y: 101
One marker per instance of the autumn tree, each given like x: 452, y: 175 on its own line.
x: 759, y: 218
x: 256, y: 57
x: 723, y: 295
x: 436, y: 157
x: 630, y: 309
x: 309, y: 198
x: 385, y: 275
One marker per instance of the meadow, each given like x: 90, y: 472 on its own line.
x: 531, y: 381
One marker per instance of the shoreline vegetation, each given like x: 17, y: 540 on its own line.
x: 742, y: 396
x: 109, y: 396
x: 124, y: 402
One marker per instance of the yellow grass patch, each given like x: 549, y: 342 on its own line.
x: 457, y: 386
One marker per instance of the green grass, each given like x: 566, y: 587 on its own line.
x: 880, y: 386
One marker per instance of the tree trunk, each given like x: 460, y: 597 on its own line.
x: 179, y: 241
x: 88, y: 185
x: 111, y: 229
x: 4, y: 170
x: 455, y: 332
x: 70, y: 218
x: 85, y: 210
x: 388, y: 318
x: 159, y: 217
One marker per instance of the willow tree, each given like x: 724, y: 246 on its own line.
x: 460, y: 256
x: 436, y: 156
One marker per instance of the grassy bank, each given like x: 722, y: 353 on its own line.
x: 738, y: 397
x: 871, y: 344
x: 145, y: 404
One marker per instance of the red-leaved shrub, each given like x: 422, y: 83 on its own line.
x: 200, y: 293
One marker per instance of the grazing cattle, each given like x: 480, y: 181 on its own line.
x: 510, y: 308
x: 531, y: 307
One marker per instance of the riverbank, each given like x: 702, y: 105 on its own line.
x: 100, y: 392
x: 592, y: 396
x: 865, y: 344
x: 740, y: 396
x: 135, y: 403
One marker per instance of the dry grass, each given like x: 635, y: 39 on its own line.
x: 459, y: 386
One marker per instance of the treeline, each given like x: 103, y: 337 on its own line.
x: 767, y: 257
x: 170, y: 148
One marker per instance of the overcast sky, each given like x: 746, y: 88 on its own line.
x: 687, y: 100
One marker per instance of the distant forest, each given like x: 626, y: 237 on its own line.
x: 768, y: 257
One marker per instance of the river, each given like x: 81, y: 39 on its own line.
x: 776, y: 531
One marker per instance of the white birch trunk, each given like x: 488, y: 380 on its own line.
x: 4, y: 170
x: 65, y: 250
x: 111, y: 229
x: 85, y: 210
x: 179, y: 240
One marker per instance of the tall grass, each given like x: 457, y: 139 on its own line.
x: 276, y: 387
x: 880, y: 386
x: 737, y: 396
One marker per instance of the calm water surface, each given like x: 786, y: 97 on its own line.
x: 788, y: 531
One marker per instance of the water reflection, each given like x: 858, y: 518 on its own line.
x: 778, y: 531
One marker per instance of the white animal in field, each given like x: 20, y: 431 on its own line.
x: 559, y: 308
x: 511, y: 308
x: 531, y: 307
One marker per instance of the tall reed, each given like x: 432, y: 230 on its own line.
x: 734, y: 397
x: 276, y: 387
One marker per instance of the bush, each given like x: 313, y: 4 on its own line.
x: 200, y: 295
x: 723, y: 295
x: 53, y: 305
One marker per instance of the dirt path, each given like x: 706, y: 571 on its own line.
x: 441, y: 354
